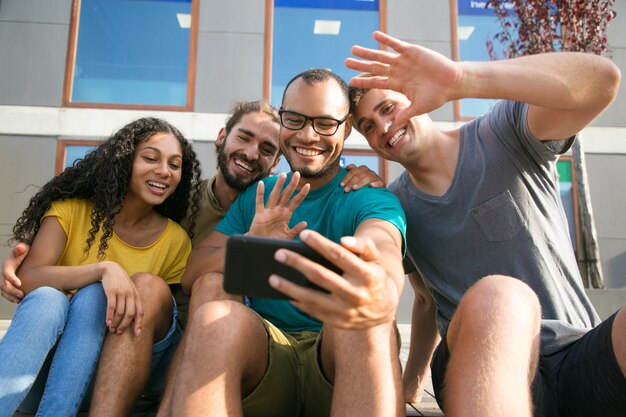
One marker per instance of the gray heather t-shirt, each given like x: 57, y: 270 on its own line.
x: 501, y: 215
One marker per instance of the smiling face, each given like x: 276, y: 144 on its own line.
x: 374, y: 119
x: 156, y: 169
x: 249, y: 151
x: 315, y: 156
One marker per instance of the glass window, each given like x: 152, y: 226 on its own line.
x: 475, y: 25
x: 131, y: 52
x: 69, y: 151
x: 318, y: 34
x: 567, y: 189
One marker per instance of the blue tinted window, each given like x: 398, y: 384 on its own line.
x: 318, y: 34
x: 132, y: 52
x: 476, y: 25
x: 74, y: 152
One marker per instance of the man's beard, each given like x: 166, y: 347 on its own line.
x: 232, y: 180
x: 309, y: 173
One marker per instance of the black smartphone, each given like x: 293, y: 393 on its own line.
x: 250, y: 262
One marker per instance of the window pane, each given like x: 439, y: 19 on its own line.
x: 74, y: 152
x: 475, y: 26
x: 318, y: 33
x: 566, y: 188
x: 132, y: 52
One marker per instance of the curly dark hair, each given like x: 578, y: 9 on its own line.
x: 102, y: 177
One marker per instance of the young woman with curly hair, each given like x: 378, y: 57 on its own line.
x: 104, y: 239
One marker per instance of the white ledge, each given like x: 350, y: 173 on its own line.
x: 79, y: 123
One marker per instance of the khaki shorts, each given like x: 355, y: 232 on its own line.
x: 293, y: 384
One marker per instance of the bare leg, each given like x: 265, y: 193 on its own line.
x: 224, y: 358
x: 494, y: 342
x: 365, y: 369
x: 125, y: 360
x: 206, y: 288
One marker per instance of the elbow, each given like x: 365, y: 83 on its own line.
x: 27, y: 281
x: 611, y: 78
x: 425, y: 301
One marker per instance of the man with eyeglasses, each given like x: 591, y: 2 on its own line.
x: 274, y: 359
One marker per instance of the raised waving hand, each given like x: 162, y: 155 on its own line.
x: 272, y: 219
x: 427, y: 78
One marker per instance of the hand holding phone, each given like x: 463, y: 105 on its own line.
x: 250, y: 262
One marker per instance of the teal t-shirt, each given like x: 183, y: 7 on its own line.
x: 327, y: 210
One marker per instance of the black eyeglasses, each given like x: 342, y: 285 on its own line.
x: 325, y: 126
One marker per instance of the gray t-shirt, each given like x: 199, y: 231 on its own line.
x: 501, y: 215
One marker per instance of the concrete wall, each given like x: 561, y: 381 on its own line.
x: 33, y: 43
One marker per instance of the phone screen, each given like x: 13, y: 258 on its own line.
x: 250, y: 262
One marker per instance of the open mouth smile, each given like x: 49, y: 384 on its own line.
x: 157, y: 185
x: 243, y: 165
x: 395, y: 138
x: 308, y: 151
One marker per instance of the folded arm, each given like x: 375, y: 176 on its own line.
x: 40, y: 269
x: 40, y: 266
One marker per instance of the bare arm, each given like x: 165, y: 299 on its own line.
x: 206, y: 258
x: 368, y: 292
x: 566, y: 90
x: 424, y: 340
x: 40, y: 266
x: 40, y: 269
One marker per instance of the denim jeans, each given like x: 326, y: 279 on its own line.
x: 69, y: 333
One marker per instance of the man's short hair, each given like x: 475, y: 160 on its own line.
x: 317, y: 75
x: 241, y: 108
x: 356, y: 94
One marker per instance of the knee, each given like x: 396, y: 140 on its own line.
x: 152, y: 288
x: 156, y: 301
x: 50, y: 305
x: 90, y: 295
x: 209, y: 287
x: 501, y: 299
x: 220, y: 317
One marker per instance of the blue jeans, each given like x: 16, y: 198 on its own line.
x: 67, y: 332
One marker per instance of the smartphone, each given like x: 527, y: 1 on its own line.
x: 250, y: 262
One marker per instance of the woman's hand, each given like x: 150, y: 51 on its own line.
x: 123, y: 302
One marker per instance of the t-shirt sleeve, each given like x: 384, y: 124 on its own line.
x: 379, y: 203
x: 180, y: 247
x: 509, y: 121
x: 62, y: 210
